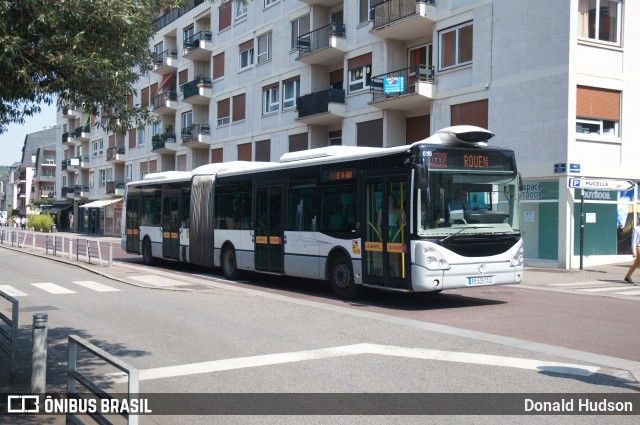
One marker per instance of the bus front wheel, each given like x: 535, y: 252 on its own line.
x: 147, y: 254
x: 229, y: 264
x: 341, y: 278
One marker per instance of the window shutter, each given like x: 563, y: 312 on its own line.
x: 218, y: 66
x: 360, y: 61
x: 244, y: 152
x: 223, y: 108
x: 370, y: 133
x: 471, y: 113
x: 132, y: 138
x: 246, y: 45
x: 298, y: 142
x: 238, y: 108
x: 598, y: 103
x: 183, y: 77
x: 216, y: 156
x: 224, y: 17
x: 112, y: 141
x: 263, y: 150
x: 144, y: 97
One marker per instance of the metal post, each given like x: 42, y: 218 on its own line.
x: 54, y: 247
x: 110, y: 254
x: 70, y: 248
x: 39, y: 353
x: 581, y: 226
x: 33, y: 242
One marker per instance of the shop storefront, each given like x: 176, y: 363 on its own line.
x: 102, y: 217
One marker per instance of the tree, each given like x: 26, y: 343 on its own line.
x: 88, y: 53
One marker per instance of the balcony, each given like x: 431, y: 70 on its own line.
x: 198, y: 47
x: 69, y: 112
x: 324, y: 46
x: 197, y: 136
x: 404, y: 89
x: 166, y: 62
x: 78, y: 163
x: 321, y: 108
x: 68, y: 139
x: 46, y: 177
x: 174, y: 14
x: 115, y: 188
x: 83, y: 134
x: 48, y: 161
x: 165, y: 103
x: 116, y: 155
x: 164, y: 144
x: 403, y: 19
x: 324, y: 3
x: 67, y: 192
x: 80, y: 192
x: 197, y: 92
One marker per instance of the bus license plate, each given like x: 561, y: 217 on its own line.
x: 484, y: 280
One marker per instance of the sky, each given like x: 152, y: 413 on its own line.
x: 12, y: 141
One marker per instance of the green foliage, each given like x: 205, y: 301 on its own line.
x: 40, y: 222
x: 37, y: 203
x: 87, y: 53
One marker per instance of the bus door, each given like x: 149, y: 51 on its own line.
x: 269, y: 231
x: 171, y: 224
x: 386, y: 235
x: 133, y: 224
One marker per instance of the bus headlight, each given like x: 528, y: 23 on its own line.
x: 518, y: 258
x: 433, y: 260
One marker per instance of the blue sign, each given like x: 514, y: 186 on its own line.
x: 559, y: 168
x: 393, y: 85
x: 574, y: 168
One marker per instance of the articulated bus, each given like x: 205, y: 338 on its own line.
x: 442, y: 213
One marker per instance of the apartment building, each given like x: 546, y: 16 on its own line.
x: 556, y: 81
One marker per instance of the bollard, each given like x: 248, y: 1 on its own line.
x: 39, y: 354
x: 33, y: 242
x: 70, y: 248
x: 110, y: 254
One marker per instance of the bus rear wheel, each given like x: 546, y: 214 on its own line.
x: 229, y: 264
x: 147, y: 254
x: 341, y: 278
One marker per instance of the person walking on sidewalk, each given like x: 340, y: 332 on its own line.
x: 635, y: 251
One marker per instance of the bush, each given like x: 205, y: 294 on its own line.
x: 41, y: 222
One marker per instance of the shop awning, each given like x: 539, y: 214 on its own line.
x: 55, y: 209
x: 101, y: 203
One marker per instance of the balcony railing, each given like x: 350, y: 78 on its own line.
x: 160, y: 100
x: 192, y: 132
x: 159, y: 141
x: 316, y: 103
x: 319, y: 39
x: 174, y: 14
x: 161, y: 57
x: 80, y: 191
x: 192, y: 88
x: 193, y: 42
x: 67, y: 191
x: 402, y: 81
x: 392, y: 10
x: 82, y: 129
x: 114, y: 187
x: 112, y: 153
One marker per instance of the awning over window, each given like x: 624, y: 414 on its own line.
x: 56, y: 208
x: 100, y: 203
x: 165, y: 80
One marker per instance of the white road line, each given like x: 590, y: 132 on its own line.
x: 99, y: 287
x: 11, y: 291
x: 52, y: 288
x: 159, y: 281
x: 596, y: 282
x: 358, y: 349
x: 612, y: 288
x: 636, y: 292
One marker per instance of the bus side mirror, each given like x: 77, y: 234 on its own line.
x: 421, y: 179
x: 520, y: 183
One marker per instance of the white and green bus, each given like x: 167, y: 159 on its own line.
x: 354, y: 216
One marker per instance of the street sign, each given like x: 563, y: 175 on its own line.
x: 574, y: 168
x: 559, y: 168
x: 601, y: 184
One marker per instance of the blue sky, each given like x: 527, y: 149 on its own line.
x: 11, y: 141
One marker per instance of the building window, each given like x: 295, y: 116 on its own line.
x: 456, y: 46
x: 600, y: 20
x: 128, y: 171
x: 597, y: 111
x: 186, y: 120
x: 187, y: 33
x: 270, y: 2
x: 224, y: 112
x: 335, y: 138
x: 365, y: 7
x: 299, y: 27
x: 471, y: 113
x: 263, y: 150
x: 218, y: 66
x: 244, y: 152
x: 246, y: 54
x: 238, y: 108
x: 290, y: 92
x: 103, y: 178
x: 359, y: 74
x: 299, y: 142
x: 140, y: 137
x: 270, y: 100
x: 264, y: 47
x: 239, y: 10
x: 98, y: 148
x: 369, y: 133
x: 224, y: 16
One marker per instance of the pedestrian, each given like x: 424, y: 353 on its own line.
x: 635, y: 251
x: 23, y: 221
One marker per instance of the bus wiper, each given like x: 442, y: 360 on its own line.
x: 443, y: 240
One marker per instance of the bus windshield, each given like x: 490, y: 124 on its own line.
x: 467, y: 203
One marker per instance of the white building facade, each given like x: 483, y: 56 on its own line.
x: 556, y: 81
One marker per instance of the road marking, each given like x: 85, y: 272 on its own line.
x: 159, y: 281
x: 358, y: 349
x: 636, y: 292
x: 52, y: 288
x: 99, y: 287
x: 11, y: 291
x: 613, y: 288
x: 596, y: 282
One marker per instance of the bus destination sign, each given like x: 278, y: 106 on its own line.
x: 339, y: 175
x: 445, y: 159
